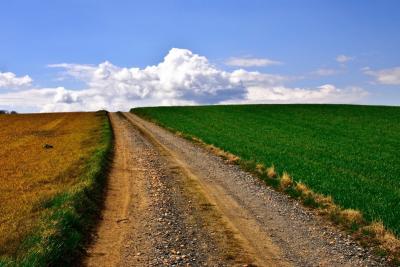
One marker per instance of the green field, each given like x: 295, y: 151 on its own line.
x: 349, y: 152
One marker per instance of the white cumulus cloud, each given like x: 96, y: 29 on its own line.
x: 250, y: 62
x: 9, y: 80
x: 181, y: 78
x: 385, y: 76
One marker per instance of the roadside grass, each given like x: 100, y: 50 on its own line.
x: 55, y: 193
x: 342, y: 159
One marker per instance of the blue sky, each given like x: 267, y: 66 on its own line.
x: 295, y: 47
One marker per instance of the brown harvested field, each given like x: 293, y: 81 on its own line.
x: 31, y: 174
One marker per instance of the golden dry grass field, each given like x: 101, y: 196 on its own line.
x: 31, y: 174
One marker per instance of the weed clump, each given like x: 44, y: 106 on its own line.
x: 385, y: 237
x: 260, y: 168
x: 302, y: 189
x: 285, y: 181
x: 230, y: 158
x: 271, y: 173
x: 324, y: 202
x: 351, y: 216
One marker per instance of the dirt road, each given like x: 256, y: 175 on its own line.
x: 170, y: 202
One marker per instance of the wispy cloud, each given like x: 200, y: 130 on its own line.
x: 385, y: 76
x: 343, y: 58
x: 82, y: 72
x: 325, y: 72
x: 327, y: 93
x: 251, y: 62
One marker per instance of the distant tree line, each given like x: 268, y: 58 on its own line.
x: 8, y: 112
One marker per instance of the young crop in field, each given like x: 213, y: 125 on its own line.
x: 41, y: 155
x: 351, y: 153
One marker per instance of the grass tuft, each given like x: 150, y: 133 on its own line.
x: 384, y: 237
x: 260, y: 168
x: 351, y: 217
x: 324, y: 202
x: 229, y: 157
x: 285, y: 181
x: 271, y: 173
x: 302, y: 189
